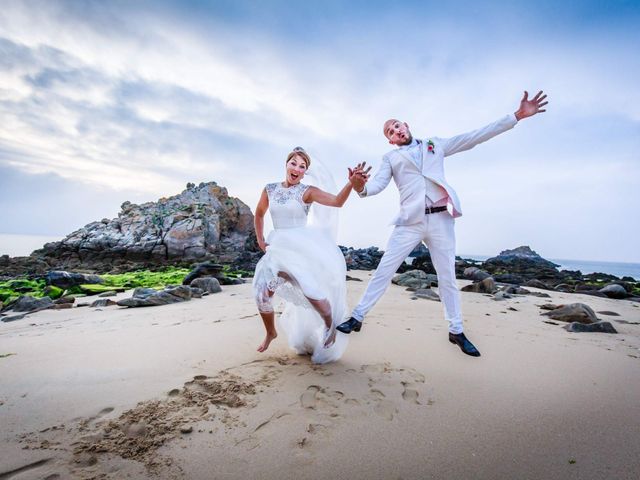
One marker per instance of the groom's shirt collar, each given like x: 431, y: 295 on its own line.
x: 414, y: 143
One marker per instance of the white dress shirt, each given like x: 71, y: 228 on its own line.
x: 432, y: 189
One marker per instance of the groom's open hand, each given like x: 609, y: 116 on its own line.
x: 358, y: 176
x: 528, y: 108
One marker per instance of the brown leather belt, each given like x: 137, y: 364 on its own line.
x: 429, y: 210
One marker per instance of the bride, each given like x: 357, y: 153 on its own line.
x: 302, y: 262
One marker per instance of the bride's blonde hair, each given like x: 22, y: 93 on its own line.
x: 299, y: 152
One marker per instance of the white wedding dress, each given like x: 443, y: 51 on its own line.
x: 302, y: 261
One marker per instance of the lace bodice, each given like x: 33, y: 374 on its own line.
x: 288, y: 210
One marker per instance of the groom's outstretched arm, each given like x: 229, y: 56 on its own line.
x: 528, y: 108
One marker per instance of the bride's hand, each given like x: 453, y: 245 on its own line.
x: 262, y: 244
x: 358, y: 176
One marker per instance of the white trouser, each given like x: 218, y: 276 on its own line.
x: 437, y: 231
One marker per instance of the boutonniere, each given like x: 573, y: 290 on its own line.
x: 430, y: 146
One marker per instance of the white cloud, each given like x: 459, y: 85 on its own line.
x: 134, y: 99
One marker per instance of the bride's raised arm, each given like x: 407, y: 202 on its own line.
x: 314, y: 194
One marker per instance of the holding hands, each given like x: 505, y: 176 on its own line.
x: 358, y: 176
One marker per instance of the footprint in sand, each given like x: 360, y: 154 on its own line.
x: 383, y: 407
x: 309, y: 398
x: 386, y: 409
x: 410, y: 394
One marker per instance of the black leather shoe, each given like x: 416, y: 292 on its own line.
x: 350, y: 325
x: 463, y: 342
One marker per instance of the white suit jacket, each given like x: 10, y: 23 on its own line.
x: 398, y: 165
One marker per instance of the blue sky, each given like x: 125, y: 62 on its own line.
x: 102, y: 102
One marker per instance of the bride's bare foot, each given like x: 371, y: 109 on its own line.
x: 267, y: 340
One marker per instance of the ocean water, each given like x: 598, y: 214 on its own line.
x: 619, y: 269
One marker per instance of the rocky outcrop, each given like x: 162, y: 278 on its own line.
x: 521, y: 264
x: 203, y: 222
x: 362, y: 258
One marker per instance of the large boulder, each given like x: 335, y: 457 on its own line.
x: 488, y: 285
x: 573, y: 312
x: 476, y: 274
x: 415, y: 279
x: 26, y: 303
x: 207, y: 284
x: 614, y: 291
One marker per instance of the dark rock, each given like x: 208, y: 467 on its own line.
x: 196, y: 292
x: 180, y: 291
x: 207, y: 284
x: 203, y: 270
x: 488, y: 285
x: 148, y: 297
x: 508, y: 278
x: 353, y: 279
x: 29, y: 304
x: 67, y: 299
x: 144, y: 292
x: 501, y: 295
x: 103, y: 302
x: 574, y: 312
x: 416, y: 279
x: 535, y: 283
x: 230, y: 280
x: 520, y: 254
x: 614, y: 291
x: 609, y: 313
x: 474, y: 273
x: 62, y: 306
x: 110, y: 293
x: 427, y: 294
x: 601, y: 327
x: 523, y: 264
x: 539, y: 294
x: 549, y: 306
x: 599, y: 277
x: 593, y: 293
x: 67, y: 280
x: 13, y: 318
x: 419, y: 251
x: 516, y: 290
x: 362, y: 258
x: 563, y: 287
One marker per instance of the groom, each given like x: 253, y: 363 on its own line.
x: 417, y: 168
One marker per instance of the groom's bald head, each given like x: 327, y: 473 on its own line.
x: 397, y: 132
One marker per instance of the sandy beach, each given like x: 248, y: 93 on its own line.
x: 179, y: 391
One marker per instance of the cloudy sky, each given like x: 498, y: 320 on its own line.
x: 107, y: 101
